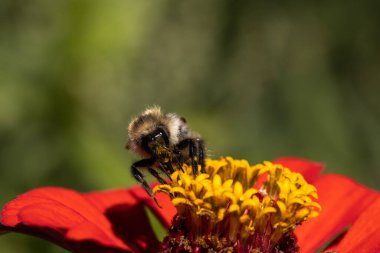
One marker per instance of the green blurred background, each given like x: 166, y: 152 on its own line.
x: 257, y: 80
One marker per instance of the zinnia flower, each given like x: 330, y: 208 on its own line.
x: 228, y: 209
x: 116, y: 222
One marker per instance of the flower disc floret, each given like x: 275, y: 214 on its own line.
x: 240, y: 206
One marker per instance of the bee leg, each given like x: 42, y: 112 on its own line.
x: 178, y: 159
x: 164, y: 170
x: 180, y: 162
x: 140, y: 177
x: 201, y: 155
x: 193, y: 154
x: 190, y: 144
x: 170, y: 167
x: 156, y: 175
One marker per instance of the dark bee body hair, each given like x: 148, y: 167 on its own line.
x: 165, y: 142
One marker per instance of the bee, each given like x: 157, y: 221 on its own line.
x: 165, y: 142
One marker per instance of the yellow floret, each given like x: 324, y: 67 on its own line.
x: 227, y: 191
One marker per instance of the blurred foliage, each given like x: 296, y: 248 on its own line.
x: 257, y: 80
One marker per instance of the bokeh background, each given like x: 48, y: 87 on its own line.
x: 257, y: 80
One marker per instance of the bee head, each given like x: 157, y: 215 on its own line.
x: 151, y: 143
x: 154, y: 132
x: 155, y: 140
x: 148, y: 132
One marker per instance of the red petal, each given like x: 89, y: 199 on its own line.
x: 126, y: 213
x: 342, y: 201
x: 364, y: 235
x: 69, y: 219
x: 309, y: 169
x: 166, y: 213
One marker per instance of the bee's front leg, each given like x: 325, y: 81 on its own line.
x: 145, y: 163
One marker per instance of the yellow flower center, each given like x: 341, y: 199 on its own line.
x: 239, y: 202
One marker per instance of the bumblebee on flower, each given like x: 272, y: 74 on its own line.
x: 223, y: 205
x: 165, y: 142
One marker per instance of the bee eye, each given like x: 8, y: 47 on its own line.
x: 158, y: 136
x: 161, y: 136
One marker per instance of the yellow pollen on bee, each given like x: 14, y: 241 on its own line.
x: 230, y: 190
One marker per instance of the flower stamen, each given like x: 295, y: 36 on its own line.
x: 235, y: 207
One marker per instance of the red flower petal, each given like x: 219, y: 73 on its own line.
x: 342, y: 201
x: 105, y: 220
x: 309, y: 169
x: 166, y: 213
x: 364, y: 235
x: 128, y: 218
